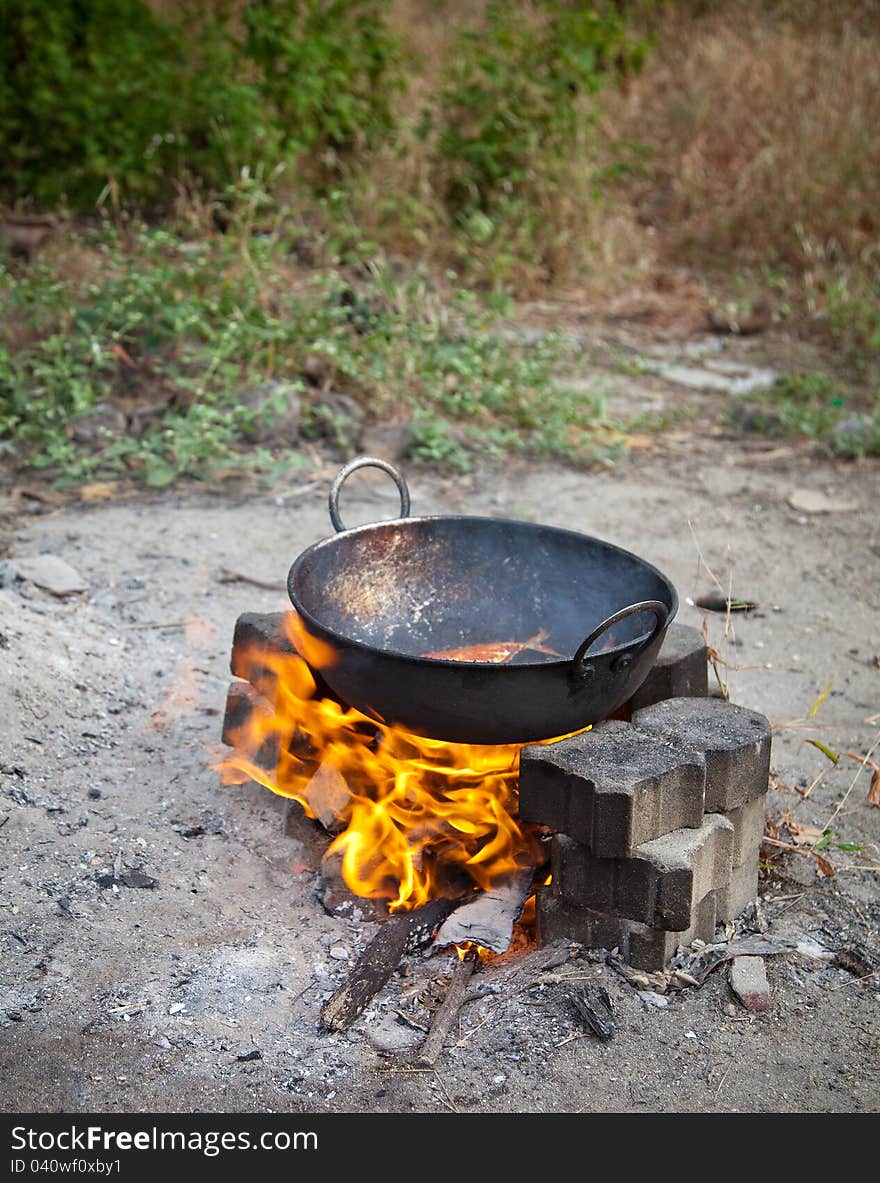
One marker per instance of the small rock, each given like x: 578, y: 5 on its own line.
x: 98, y: 426
x: 52, y: 574
x: 748, y: 980
x: 653, y: 999
x: 388, y: 441
x: 175, y: 1008
x: 94, y: 794
x: 339, y: 952
x: 812, y: 501
x: 164, y: 1042
x: 275, y: 412
x: 247, y: 1057
x: 389, y: 1035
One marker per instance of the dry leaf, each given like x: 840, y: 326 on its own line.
x: 804, y: 835
x: 97, y: 491
x: 874, y: 790
x: 825, y: 867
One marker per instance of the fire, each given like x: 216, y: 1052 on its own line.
x: 422, y: 818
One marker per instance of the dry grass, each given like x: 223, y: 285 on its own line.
x: 764, y: 133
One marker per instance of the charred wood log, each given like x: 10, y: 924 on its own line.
x: 404, y: 933
x: 446, y: 1013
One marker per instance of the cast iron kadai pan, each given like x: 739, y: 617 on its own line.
x: 571, y: 625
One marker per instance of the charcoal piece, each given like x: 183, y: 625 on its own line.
x: 594, y: 1008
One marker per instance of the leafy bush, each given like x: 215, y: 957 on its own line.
x: 512, y: 101
x: 98, y: 92
x: 327, y: 68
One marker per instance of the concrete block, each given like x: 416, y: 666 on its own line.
x: 748, y: 980
x: 748, y: 829
x: 739, y: 891
x: 642, y: 946
x: 611, y: 788
x: 242, y: 701
x: 256, y: 635
x: 660, y: 884
x: 681, y: 669
x: 734, y: 741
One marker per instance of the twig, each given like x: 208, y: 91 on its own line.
x: 859, y: 771
x: 721, y: 1082
x: 157, y: 624
x: 447, y: 1011
x: 852, y: 981
x: 227, y: 576
x: 449, y: 1101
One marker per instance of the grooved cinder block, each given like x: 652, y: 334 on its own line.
x: 681, y: 669
x: 660, y: 884
x: 748, y: 829
x: 643, y: 947
x: 739, y: 891
x: 611, y: 788
x: 735, y: 742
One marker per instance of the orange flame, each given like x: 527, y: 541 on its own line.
x: 422, y: 817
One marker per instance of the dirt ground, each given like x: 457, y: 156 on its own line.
x: 129, y: 1000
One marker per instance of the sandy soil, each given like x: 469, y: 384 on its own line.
x: 111, y: 703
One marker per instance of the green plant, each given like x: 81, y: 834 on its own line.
x: 814, y: 404
x: 327, y: 68
x: 173, y: 330
x: 854, y: 318
x: 101, y: 96
x: 511, y: 106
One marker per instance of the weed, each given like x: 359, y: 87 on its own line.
x: 814, y: 404
x: 168, y: 332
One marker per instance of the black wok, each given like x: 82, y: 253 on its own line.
x: 382, y: 596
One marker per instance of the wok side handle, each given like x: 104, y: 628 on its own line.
x: 365, y: 462
x: 581, y: 664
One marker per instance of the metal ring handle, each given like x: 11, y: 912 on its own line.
x: 661, y: 612
x: 366, y: 462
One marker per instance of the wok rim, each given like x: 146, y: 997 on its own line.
x: 451, y: 663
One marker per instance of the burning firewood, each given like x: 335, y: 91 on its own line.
x: 488, y: 920
x: 402, y: 933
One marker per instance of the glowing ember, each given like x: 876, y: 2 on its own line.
x: 423, y: 818
x: 500, y: 651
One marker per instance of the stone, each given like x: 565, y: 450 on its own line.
x: 661, y: 883
x: 748, y: 829
x: 641, y: 946
x: 388, y: 441
x: 98, y: 425
x: 52, y: 574
x: 273, y: 412
x: 748, y: 981
x: 391, y: 1036
x: 734, y: 741
x: 812, y: 501
x: 611, y: 788
x: 681, y: 669
x: 740, y: 890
